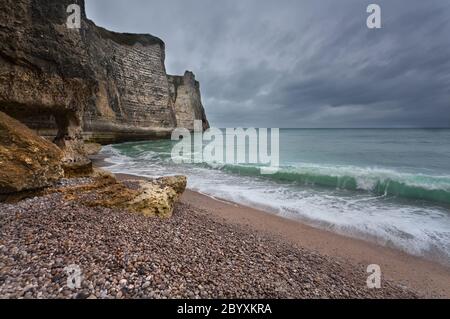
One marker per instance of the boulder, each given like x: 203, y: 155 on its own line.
x: 148, y: 197
x: 27, y: 161
x: 158, y: 197
x: 177, y: 182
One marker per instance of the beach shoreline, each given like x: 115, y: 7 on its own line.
x: 427, y: 277
x: 208, y: 248
x: 415, y: 272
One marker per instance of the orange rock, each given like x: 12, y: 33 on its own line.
x: 27, y: 161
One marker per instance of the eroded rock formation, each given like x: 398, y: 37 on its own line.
x: 153, y: 198
x: 92, y: 84
x: 32, y: 166
x: 27, y: 161
x: 185, y: 94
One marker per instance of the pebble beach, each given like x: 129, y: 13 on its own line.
x: 190, y: 255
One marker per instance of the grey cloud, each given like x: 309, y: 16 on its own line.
x: 308, y: 63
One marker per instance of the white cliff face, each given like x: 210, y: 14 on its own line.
x: 187, y: 103
x: 91, y: 83
x: 132, y: 100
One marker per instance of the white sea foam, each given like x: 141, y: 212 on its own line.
x: 419, y: 229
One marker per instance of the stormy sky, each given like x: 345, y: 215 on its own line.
x: 302, y: 63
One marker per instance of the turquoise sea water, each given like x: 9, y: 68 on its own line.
x: 391, y: 186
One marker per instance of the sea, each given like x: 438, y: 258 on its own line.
x: 389, y: 186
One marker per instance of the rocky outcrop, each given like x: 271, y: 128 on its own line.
x: 44, y: 73
x: 31, y: 165
x: 27, y: 161
x: 154, y: 198
x: 71, y: 85
x: 187, y: 100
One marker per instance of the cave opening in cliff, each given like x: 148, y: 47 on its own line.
x: 62, y: 127
x: 65, y: 128
x: 69, y: 138
x: 42, y: 122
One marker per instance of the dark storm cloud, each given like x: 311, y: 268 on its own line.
x: 294, y: 63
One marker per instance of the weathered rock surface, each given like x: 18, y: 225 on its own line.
x: 185, y: 92
x: 27, y: 161
x: 92, y: 148
x: 44, y: 74
x: 87, y: 83
x: 149, y: 198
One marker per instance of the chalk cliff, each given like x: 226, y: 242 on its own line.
x: 89, y: 83
x: 185, y: 94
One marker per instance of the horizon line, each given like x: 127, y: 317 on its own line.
x: 351, y: 128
